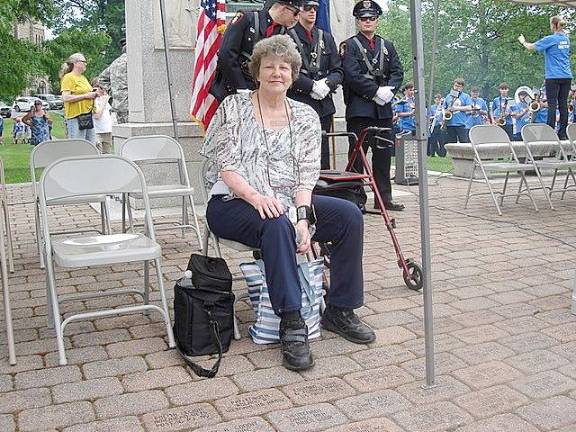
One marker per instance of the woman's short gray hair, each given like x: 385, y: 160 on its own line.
x: 278, y: 46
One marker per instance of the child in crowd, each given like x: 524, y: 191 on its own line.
x: 19, y: 132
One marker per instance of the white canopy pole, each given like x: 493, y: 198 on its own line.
x: 422, y: 138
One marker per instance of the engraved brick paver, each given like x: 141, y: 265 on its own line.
x: 490, y: 401
x: 322, y: 390
x: 131, y: 404
x: 505, y: 339
x: 55, y: 416
x: 373, y: 404
x: 216, y: 388
x: 87, y: 390
x: 306, y: 419
x: 182, y: 418
x: 437, y: 417
x: 500, y: 423
x: 550, y: 413
x: 252, y: 404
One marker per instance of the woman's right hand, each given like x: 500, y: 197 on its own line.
x: 91, y: 95
x: 268, y: 207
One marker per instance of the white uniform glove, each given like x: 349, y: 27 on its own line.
x: 378, y: 100
x: 385, y: 94
x: 243, y: 91
x: 321, y: 88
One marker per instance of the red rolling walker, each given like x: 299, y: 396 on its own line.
x: 333, y: 180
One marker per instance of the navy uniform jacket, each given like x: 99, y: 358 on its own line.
x: 360, y: 86
x: 236, y: 49
x: 328, y: 65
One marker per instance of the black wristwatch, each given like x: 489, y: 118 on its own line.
x: 306, y: 212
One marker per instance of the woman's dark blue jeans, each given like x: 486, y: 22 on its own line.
x: 339, y: 221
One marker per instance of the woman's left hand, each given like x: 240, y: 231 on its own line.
x: 303, y: 237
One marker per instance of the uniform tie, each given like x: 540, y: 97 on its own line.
x: 271, y: 28
x: 372, y: 43
x: 309, y: 36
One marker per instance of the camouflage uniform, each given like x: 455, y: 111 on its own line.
x: 115, y: 80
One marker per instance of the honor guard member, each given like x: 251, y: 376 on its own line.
x: 321, y: 71
x: 245, y: 29
x: 457, y: 103
x: 502, y: 110
x: 114, y: 79
x: 372, y: 74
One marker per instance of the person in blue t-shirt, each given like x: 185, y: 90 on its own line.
x: 458, y: 103
x: 436, y: 140
x: 502, y: 110
x: 406, y: 109
x: 479, y: 112
x: 521, y: 114
x: 557, y: 72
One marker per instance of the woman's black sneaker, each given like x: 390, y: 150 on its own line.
x: 347, y: 324
x: 295, y: 348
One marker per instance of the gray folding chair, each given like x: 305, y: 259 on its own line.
x: 490, y: 156
x: 69, y: 178
x: 43, y: 155
x: 165, y: 151
x: 543, y: 135
x: 6, y: 211
x: 5, y: 225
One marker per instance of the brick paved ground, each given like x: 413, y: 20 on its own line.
x: 505, y: 339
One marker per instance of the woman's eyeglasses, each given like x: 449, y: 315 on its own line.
x: 308, y: 8
x: 366, y: 19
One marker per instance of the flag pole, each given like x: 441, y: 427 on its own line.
x: 168, y: 67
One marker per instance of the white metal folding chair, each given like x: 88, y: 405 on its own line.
x: 5, y: 223
x: 43, y: 155
x: 82, y: 176
x: 165, y: 151
x: 6, y: 211
x: 491, y: 156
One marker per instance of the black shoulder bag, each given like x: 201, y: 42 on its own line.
x: 204, y: 312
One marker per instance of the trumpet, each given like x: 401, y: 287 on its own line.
x: 501, y: 121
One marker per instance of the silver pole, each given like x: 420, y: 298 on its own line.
x: 422, y: 138
x: 434, y: 49
x: 168, y: 67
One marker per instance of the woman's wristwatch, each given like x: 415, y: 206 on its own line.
x: 306, y: 212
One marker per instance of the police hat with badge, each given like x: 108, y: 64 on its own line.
x: 293, y: 3
x: 366, y: 9
x: 310, y: 3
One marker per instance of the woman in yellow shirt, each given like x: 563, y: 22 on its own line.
x: 78, y: 98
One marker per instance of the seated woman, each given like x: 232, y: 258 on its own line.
x: 264, y: 157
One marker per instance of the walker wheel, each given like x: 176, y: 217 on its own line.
x: 414, y: 279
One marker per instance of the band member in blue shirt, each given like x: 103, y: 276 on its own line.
x: 458, y: 104
x: 437, y: 138
x: 479, y: 112
x: 557, y: 72
x: 502, y: 109
x: 521, y: 115
x: 406, y: 109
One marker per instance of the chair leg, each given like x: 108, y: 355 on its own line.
x: 130, y: 217
x: 470, y: 185
x: 553, y: 180
x: 491, y: 190
x: 544, y: 189
x: 523, y: 178
x: 146, y: 296
x: 171, y: 342
x: 53, y: 297
x: 123, y: 212
x: 195, y: 216
x: 504, y: 188
x: 184, y: 216
x: 9, y: 243
x: 106, y: 212
x: 6, y: 297
x: 38, y: 234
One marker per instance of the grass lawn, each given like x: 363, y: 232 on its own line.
x: 15, y: 157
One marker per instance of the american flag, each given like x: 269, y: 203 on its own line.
x: 211, y: 25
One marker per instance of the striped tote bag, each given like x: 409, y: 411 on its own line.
x: 266, y: 328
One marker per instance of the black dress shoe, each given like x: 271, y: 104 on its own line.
x: 295, y: 348
x: 347, y: 324
x: 392, y: 206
